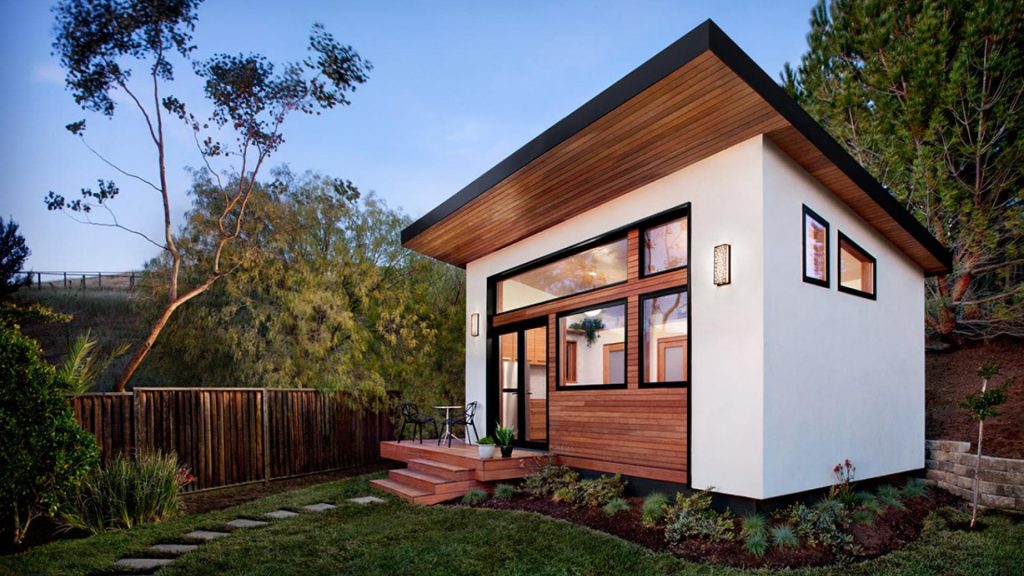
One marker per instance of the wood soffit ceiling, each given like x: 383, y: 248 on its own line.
x: 697, y: 97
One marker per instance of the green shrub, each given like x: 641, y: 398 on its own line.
x: 693, y: 517
x: 783, y: 536
x: 890, y: 496
x: 914, y: 488
x: 591, y: 493
x: 546, y: 481
x: 615, y: 506
x: 654, y: 509
x: 44, y: 452
x: 474, y: 497
x: 754, y: 532
x: 128, y: 492
x: 505, y: 491
x: 824, y: 524
x: 867, y: 501
x: 862, y: 517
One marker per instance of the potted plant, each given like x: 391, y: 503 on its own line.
x: 504, y: 437
x: 486, y: 447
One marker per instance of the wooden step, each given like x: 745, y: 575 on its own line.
x: 412, y: 495
x: 441, y: 469
x: 430, y: 483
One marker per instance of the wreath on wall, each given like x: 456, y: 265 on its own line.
x: 590, y: 328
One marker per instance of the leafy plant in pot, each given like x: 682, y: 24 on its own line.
x: 504, y: 437
x: 486, y: 447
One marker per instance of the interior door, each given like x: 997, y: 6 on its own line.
x: 523, y: 384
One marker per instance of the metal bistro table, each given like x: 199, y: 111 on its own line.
x: 447, y: 422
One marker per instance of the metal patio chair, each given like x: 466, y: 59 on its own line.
x: 411, y: 414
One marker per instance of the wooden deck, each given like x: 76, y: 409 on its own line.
x: 439, y: 473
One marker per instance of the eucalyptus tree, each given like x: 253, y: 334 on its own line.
x: 123, y: 53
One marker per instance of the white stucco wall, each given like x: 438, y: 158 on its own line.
x: 727, y: 343
x: 843, y: 375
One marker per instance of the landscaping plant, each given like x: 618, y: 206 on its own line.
x: 823, y: 524
x: 842, y: 488
x: 474, y: 497
x: 615, y: 506
x: 983, y: 406
x: 783, y: 536
x: 891, y: 496
x: 549, y: 479
x: 128, y: 492
x: 44, y: 452
x: 914, y: 488
x: 654, y: 509
x: 754, y: 533
x: 591, y: 493
x: 692, y: 516
x: 505, y: 491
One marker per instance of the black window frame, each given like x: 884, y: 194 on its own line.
x: 653, y: 222
x: 641, y: 351
x: 828, y: 248
x: 624, y: 302
x: 844, y: 239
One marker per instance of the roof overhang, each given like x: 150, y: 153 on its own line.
x: 695, y: 98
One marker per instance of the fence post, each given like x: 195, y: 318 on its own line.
x: 266, y: 436
x: 39, y: 280
x: 65, y: 280
x: 99, y: 279
x: 83, y: 281
x: 136, y: 416
x: 131, y: 282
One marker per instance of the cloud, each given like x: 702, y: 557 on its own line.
x: 48, y: 73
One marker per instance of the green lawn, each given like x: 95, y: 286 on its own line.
x: 395, y: 538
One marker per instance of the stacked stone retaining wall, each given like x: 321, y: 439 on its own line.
x: 951, y: 465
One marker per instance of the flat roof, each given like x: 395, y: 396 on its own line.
x: 693, y: 99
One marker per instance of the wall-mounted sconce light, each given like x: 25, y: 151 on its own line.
x: 474, y: 324
x: 723, y: 264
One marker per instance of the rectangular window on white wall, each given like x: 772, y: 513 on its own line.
x: 592, y: 346
x: 816, y: 249
x: 856, y: 269
x: 665, y: 351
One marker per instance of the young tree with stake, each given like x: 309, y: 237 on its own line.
x: 982, y: 407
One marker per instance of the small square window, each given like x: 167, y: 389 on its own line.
x: 816, y: 250
x: 664, y: 246
x: 665, y: 339
x: 857, y: 272
x: 592, y: 346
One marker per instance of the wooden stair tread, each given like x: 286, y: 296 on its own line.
x: 421, y: 476
x: 441, y: 465
x: 398, y: 488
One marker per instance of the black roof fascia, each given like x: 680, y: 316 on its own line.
x: 706, y: 36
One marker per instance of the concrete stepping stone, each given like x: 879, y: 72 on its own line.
x: 206, y: 534
x: 246, y: 523
x: 367, y: 500
x: 175, y: 548
x: 319, y: 507
x: 281, y: 514
x: 143, y: 563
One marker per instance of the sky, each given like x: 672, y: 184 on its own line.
x: 456, y: 87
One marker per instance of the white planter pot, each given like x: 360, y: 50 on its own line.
x: 486, y: 451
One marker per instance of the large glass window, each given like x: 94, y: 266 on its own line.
x: 815, y: 248
x: 592, y: 268
x: 593, y: 346
x: 665, y: 338
x: 856, y: 269
x: 664, y: 246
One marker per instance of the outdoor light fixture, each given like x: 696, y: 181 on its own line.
x: 474, y: 324
x: 723, y: 265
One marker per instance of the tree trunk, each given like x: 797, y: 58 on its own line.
x: 158, y: 327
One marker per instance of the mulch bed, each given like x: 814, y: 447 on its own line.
x: 951, y: 375
x: 890, y: 531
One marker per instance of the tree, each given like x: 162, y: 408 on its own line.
x: 982, y: 407
x: 43, y: 450
x: 323, y: 296
x: 97, y: 42
x: 929, y: 97
x: 13, y: 253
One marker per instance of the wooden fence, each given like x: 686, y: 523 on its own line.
x: 236, y: 435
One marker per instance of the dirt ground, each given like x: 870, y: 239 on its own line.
x: 951, y: 375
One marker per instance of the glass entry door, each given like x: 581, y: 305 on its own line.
x: 523, y: 384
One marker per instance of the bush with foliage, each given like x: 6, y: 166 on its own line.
x: 474, y: 497
x: 891, y: 496
x: 128, y: 492
x: 591, y: 493
x: 783, y: 536
x: 654, y: 509
x: 754, y: 532
x: 693, y: 517
x: 545, y: 482
x: 616, y: 506
x: 44, y: 452
x: 914, y: 488
x: 823, y: 524
x: 505, y: 491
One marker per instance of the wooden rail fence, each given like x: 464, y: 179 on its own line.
x: 233, y: 436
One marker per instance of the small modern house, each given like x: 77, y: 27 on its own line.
x: 687, y: 280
